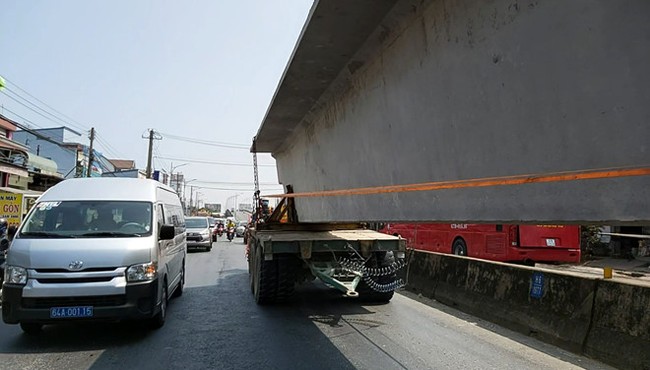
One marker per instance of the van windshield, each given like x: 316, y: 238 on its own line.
x: 197, y: 223
x: 88, y: 219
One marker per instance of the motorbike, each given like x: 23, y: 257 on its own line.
x: 4, y: 247
x: 231, y: 233
x: 220, y: 230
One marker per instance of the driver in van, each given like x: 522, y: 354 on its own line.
x: 70, y: 220
x: 136, y: 214
x: 104, y: 220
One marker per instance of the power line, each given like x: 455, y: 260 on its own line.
x: 67, y: 122
x: 110, y: 149
x: 80, y: 127
x: 225, y: 189
x: 212, y: 162
x: 234, y: 183
x: 28, y: 122
x: 37, y: 134
x: 35, y: 106
x: 49, y: 139
x: 205, y: 142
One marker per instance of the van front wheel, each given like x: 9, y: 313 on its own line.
x: 31, y: 328
x: 158, y: 321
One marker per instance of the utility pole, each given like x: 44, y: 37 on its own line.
x: 152, y: 135
x: 171, y: 173
x: 191, y: 189
x: 91, y: 156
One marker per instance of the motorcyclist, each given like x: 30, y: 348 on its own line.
x: 3, y: 227
x: 4, y: 245
x: 230, y: 229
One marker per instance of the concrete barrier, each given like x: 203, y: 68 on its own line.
x: 620, y: 330
x: 586, y: 315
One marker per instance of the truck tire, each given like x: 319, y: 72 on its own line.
x: 287, y: 266
x: 251, y: 267
x: 265, y: 278
x: 366, y: 293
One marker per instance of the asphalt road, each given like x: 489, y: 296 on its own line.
x: 216, y: 324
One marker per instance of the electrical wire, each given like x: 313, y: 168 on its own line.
x: 214, y: 162
x: 51, y: 117
x: 110, y: 149
x: 78, y: 125
x: 205, y: 142
x: 49, y: 139
x: 233, y: 183
x: 225, y: 189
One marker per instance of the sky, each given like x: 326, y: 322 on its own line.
x: 202, y: 69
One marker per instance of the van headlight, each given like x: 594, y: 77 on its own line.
x: 141, y: 272
x: 15, y: 275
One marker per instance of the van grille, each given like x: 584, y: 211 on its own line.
x: 101, y: 279
x: 95, y: 301
x: 91, y: 269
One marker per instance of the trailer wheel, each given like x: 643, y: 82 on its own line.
x: 251, y: 267
x: 286, y: 266
x: 366, y: 293
x: 265, y: 278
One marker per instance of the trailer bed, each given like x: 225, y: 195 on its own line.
x: 290, y: 241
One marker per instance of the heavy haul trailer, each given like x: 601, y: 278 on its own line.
x: 361, y: 263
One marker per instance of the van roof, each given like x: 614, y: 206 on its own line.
x: 104, y: 188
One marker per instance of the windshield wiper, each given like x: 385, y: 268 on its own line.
x: 108, y: 233
x: 46, y: 234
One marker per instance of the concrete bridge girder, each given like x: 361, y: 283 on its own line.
x: 431, y: 91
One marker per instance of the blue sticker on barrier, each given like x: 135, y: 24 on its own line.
x: 537, y: 288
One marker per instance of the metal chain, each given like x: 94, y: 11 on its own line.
x: 384, y: 288
x: 256, y: 194
x: 353, y: 266
x: 369, y: 272
x: 257, y: 180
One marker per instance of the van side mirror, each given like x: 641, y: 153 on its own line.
x: 167, y: 232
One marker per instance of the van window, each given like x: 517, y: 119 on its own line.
x: 161, y: 216
x: 77, y: 219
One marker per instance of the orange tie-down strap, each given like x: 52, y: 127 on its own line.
x: 604, y: 173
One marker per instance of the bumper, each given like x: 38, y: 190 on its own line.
x: 139, y: 302
x: 199, y: 243
x: 548, y: 254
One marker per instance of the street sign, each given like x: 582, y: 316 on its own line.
x: 537, y: 286
x: 11, y: 207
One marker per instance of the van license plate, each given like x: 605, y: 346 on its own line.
x: 71, y: 312
x: 550, y: 242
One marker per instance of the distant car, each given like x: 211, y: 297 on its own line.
x: 199, y: 233
x: 241, y: 229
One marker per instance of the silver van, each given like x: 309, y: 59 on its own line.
x: 96, y: 249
